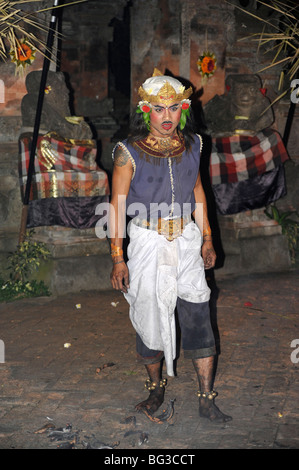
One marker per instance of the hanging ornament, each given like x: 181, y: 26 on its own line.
x: 22, y: 56
x: 207, y: 65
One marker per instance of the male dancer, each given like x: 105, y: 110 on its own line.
x: 156, y: 175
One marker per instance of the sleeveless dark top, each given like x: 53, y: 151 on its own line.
x: 162, y: 186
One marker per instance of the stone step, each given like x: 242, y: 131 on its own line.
x: 78, y: 261
x: 76, y: 273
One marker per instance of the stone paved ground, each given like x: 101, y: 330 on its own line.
x: 43, y: 382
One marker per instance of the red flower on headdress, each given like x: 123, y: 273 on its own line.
x: 145, y: 108
x: 185, y: 105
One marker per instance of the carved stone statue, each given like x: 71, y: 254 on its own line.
x: 244, y: 109
x: 56, y: 114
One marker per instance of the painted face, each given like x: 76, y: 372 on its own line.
x: 164, y: 119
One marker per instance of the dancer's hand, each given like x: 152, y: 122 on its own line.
x: 208, y: 255
x: 120, y: 277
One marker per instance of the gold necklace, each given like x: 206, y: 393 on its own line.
x: 162, y: 147
x: 166, y: 145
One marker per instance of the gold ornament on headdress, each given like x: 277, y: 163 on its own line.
x: 157, y: 73
x: 167, y: 94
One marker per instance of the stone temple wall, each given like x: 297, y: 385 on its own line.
x: 108, y: 48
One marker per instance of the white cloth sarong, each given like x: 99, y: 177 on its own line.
x: 160, y: 271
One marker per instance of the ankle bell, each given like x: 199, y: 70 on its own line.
x: 149, y: 385
x: 208, y: 395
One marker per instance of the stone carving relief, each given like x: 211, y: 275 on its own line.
x: 244, y: 109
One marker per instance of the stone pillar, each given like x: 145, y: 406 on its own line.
x: 185, y: 41
x: 10, y: 202
x: 12, y: 91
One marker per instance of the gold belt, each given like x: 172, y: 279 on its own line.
x: 169, y: 228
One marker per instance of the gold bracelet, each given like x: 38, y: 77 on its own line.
x: 207, y: 232
x: 115, y: 254
x: 114, y: 247
x: 116, y: 250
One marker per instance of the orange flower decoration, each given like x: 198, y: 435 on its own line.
x: 22, y: 56
x: 24, y: 52
x: 207, y: 64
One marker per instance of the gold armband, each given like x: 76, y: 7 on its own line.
x: 116, y: 251
x: 207, y: 232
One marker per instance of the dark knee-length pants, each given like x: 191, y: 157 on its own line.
x: 196, y: 332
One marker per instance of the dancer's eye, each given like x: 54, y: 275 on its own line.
x: 158, y: 109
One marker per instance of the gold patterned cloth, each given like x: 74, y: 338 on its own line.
x: 161, y: 148
x: 171, y: 228
x: 62, y: 168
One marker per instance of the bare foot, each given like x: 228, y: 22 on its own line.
x: 153, y: 402
x: 208, y: 409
